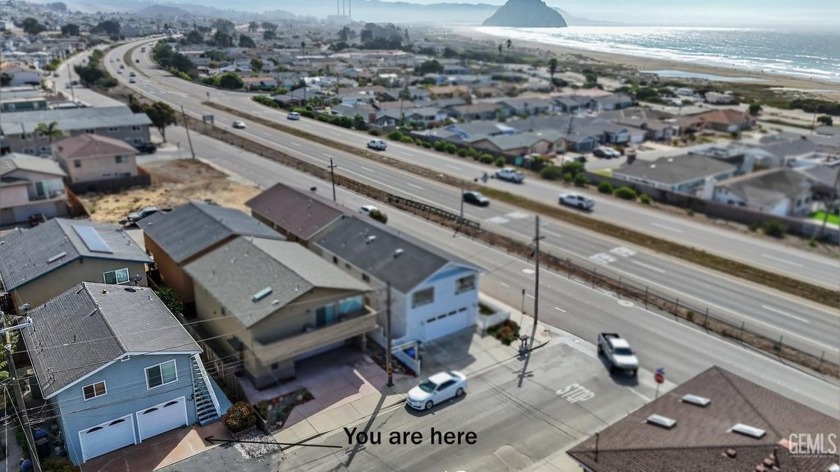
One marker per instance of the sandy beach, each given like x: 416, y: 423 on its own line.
x: 815, y: 88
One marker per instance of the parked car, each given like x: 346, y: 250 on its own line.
x: 436, y: 389
x: 132, y: 74
x: 607, y: 152
x: 146, y: 148
x: 510, y: 174
x: 576, y: 200
x: 137, y: 61
x: 377, y: 144
x: 366, y: 209
x: 239, y: 124
x: 36, y: 219
x: 137, y: 216
x: 294, y: 116
x: 617, y: 351
x: 132, y: 80
x: 476, y: 198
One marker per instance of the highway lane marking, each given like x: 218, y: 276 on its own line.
x: 559, y: 309
x: 415, y: 186
x: 776, y: 310
x: 504, y: 284
x: 294, y: 144
x: 452, y: 167
x: 529, y: 296
x: 647, y: 266
x: 369, y: 170
x: 667, y: 227
x: 779, y: 259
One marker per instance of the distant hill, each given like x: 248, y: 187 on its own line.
x: 526, y: 14
x: 163, y: 10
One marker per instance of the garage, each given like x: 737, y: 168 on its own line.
x: 106, y: 437
x: 161, y: 418
x: 446, y: 323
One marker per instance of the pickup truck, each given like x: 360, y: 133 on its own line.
x: 510, y: 174
x: 617, y: 351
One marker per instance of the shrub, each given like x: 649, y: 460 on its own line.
x: 605, y: 187
x: 690, y: 212
x: 439, y: 146
x: 551, y: 172
x: 581, y: 180
x: 774, y: 228
x: 240, y: 416
x: 462, y: 152
x: 487, y: 159
x: 395, y: 135
x: 500, y: 162
x: 58, y: 464
x: 451, y: 148
x: 374, y: 132
x: 625, y: 193
x: 379, y: 216
x: 645, y: 199
x: 407, y: 140
x: 426, y: 144
x: 507, y: 332
x: 567, y: 177
x: 812, y: 242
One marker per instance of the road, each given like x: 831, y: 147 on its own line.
x: 808, y: 326
x: 745, y: 248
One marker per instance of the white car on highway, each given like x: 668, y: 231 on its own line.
x: 377, y: 144
x: 294, y: 116
x: 239, y: 125
x: 576, y: 200
x: 510, y: 174
x: 436, y: 389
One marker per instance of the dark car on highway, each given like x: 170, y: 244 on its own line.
x: 146, y: 148
x: 476, y: 198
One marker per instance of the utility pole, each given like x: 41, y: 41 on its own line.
x: 187, y: 127
x: 536, y: 280
x: 24, y: 419
x: 388, y: 366
x: 332, y: 176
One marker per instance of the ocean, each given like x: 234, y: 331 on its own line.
x: 804, y: 54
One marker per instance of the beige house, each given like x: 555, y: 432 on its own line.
x: 42, y: 262
x: 91, y: 157
x: 271, y: 302
x: 28, y: 186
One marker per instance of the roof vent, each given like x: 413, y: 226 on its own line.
x: 261, y: 294
x: 747, y: 430
x: 662, y: 421
x: 696, y: 400
x: 398, y: 252
x: 56, y: 257
x: 834, y: 468
x: 731, y: 453
x: 370, y: 239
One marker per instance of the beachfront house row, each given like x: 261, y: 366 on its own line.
x: 30, y: 186
x: 682, y: 174
x: 117, y: 368
x: 779, y: 192
x: 41, y: 262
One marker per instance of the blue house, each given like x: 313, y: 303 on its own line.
x: 117, y: 368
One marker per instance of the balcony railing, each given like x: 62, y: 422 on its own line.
x: 293, y: 346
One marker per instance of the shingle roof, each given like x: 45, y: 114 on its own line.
x: 676, y: 170
x: 26, y: 254
x: 93, y: 324
x: 349, y: 240
x: 702, y: 434
x: 238, y: 270
x: 74, y: 119
x: 507, y: 142
x: 14, y: 161
x: 766, y: 188
x: 196, y: 226
x: 301, y: 213
x: 89, y: 145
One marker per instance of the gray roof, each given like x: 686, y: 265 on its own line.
x: 823, y: 177
x: 349, y: 240
x: 676, y: 170
x: 14, y: 161
x: 192, y: 228
x: 93, y: 324
x: 74, y: 119
x: 797, y: 147
x: 238, y: 270
x: 299, y: 212
x: 765, y: 189
x: 26, y: 254
x: 507, y: 142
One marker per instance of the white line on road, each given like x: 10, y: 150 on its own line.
x: 504, y: 284
x: 530, y: 296
x: 776, y: 310
x: 560, y: 309
x: 294, y: 144
x: 667, y: 227
x: 782, y: 260
x: 646, y: 266
x: 452, y: 167
x: 369, y: 170
x: 415, y: 186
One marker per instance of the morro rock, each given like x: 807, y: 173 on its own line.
x: 526, y: 14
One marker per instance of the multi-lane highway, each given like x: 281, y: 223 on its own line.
x: 755, y: 251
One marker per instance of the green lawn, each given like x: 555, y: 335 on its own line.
x: 833, y: 219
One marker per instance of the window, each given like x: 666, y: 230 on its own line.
x: 119, y: 159
x: 465, y: 284
x: 161, y: 374
x: 95, y: 390
x: 90, y: 131
x: 77, y: 163
x: 119, y: 276
x: 113, y: 128
x: 423, y: 297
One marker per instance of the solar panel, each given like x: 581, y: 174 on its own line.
x: 92, y: 239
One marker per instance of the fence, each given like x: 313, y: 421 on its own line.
x: 75, y: 207
x: 112, y: 185
x: 433, y: 210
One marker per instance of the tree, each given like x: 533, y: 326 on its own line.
x: 825, y: 120
x: 231, y: 81
x: 181, y: 63
x: 269, y: 26
x: 269, y: 35
x: 32, y: 27
x: 49, y: 131
x: 5, y: 79
x: 552, y: 69
x: 246, y: 41
x: 430, y: 67
x: 755, y: 109
x: 344, y: 34
x: 225, y: 26
x: 303, y: 46
x: 194, y: 37
x: 222, y: 39
x: 161, y: 115
x: 109, y: 27
x: 257, y: 65
x: 70, y: 29
x: 367, y: 36
x: 509, y: 43
x: 500, y: 49
x: 253, y: 27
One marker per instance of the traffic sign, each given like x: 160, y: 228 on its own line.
x: 659, y: 376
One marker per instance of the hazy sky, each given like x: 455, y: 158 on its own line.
x: 712, y: 12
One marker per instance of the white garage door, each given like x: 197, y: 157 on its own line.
x: 162, y: 418
x: 446, y: 323
x: 106, y: 437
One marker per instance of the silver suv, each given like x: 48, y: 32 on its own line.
x: 510, y: 174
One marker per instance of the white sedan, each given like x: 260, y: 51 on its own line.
x: 576, y: 200
x: 436, y: 389
x: 239, y: 125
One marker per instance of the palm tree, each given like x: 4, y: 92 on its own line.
x: 552, y: 69
x: 49, y: 131
x: 509, y: 43
x: 500, y: 49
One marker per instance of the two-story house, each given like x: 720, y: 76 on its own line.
x: 294, y: 214
x: 779, y: 192
x: 273, y: 302
x: 28, y: 186
x: 90, y: 158
x: 41, y: 262
x: 117, y: 367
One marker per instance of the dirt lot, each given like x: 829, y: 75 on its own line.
x: 173, y: 183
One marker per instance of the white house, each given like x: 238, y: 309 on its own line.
x: 779, y: 192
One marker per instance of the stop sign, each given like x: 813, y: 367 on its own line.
x: 659, y: 376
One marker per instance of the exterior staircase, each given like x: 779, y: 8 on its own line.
x: 206, y: 402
